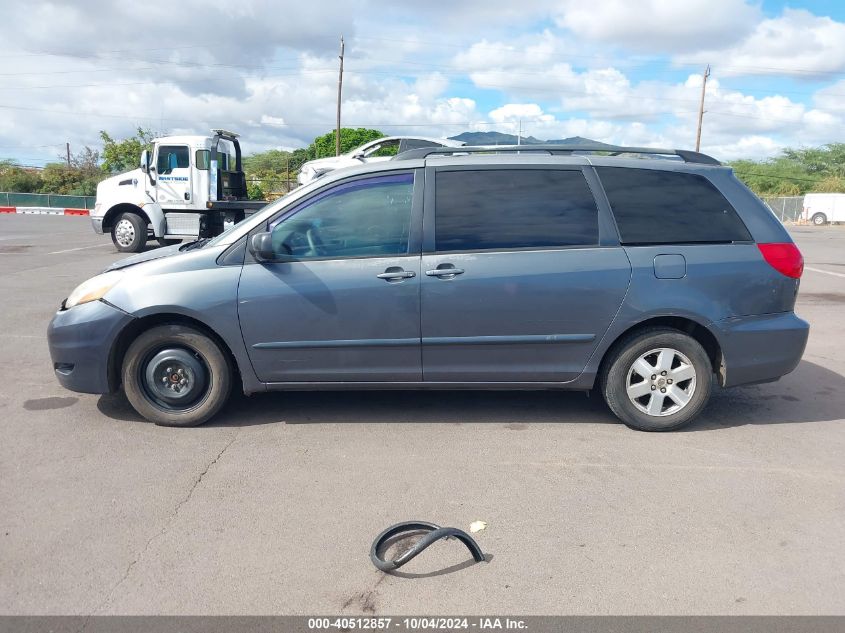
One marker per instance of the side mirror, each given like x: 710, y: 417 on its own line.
x: 147, y: 168
x: 261, y: 246
x: 359, y: 155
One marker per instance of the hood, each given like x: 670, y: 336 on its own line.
x: 156, y: 253
x: 128, y: 178
x: 319, y: 164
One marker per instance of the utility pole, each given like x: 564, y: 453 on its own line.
x: 67, y: 147
x: 701, y: 108
x: 339, y: 93
x: 519, y: 134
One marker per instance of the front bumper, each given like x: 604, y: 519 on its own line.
x: 760, y: 348
x: 97, y: 223
x: 81, y: 341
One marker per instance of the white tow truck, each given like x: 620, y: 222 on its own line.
x: 187, y: 187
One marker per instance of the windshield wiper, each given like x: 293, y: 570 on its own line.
x: 190, y: 246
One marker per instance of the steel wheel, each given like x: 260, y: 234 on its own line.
x: 819, y: 219
x: 661, y: 382
x: 176, y: 375
x: 174, y: 378
x: 124, y: 233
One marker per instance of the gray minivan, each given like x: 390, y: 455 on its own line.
x: 647, y: 274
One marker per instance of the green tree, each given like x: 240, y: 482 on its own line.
x: 255, y: 191
x: 123, y: 155
x: 796, y: 171
x: 61, y: 179
x: 268, y: 173
x: 350, y: 138
x: 18, y: 179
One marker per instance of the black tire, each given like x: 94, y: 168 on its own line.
x: 131, y: 237
x: 163, y: 241
x: 619, y: 373
x: 175, y: 353
x: 819, y: 219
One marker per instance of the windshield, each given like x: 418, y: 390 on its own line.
x: 223, y: 237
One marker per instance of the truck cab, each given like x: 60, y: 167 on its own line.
x: 186, y: 187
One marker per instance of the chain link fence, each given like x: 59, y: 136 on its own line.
x: 45, y: 200
x: 787, y: 208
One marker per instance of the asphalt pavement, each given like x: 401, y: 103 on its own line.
x: 271, y: 508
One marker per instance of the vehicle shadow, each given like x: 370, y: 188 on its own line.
x: 810, y: 394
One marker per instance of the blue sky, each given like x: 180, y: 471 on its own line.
x: 618, y: 71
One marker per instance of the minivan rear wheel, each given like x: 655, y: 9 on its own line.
x: 175, y: 375
x: 657, y: 379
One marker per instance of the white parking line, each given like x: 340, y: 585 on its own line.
x: 826, y: 272
x: 81, y: 248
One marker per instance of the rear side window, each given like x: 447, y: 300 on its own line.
x: 666, y: 207
x: 514, y: 208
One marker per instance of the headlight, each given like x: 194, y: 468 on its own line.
x: 93, y: 289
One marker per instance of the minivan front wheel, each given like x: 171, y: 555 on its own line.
x: 175, y: 375
x: 657, y: 380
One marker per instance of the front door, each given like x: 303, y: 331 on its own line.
x: 519, y: 282
x: 173, y: 176
x: 344, y: 306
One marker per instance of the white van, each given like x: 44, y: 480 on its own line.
x: 821, y: 208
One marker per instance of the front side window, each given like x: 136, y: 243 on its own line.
x: 362, y: 218
x: 172, y: 157
x: 664, y: 207
x: 514, y: 208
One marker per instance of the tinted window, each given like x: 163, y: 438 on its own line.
x: 172, y: 157
x: 514, y: 208
x: 369, y: 217
x: 662, y: 207
x: 416, y: 143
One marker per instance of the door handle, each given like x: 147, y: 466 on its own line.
x: 395, y: 273
x: 445, y: 271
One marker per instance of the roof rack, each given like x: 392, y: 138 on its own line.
x: 613, y: 150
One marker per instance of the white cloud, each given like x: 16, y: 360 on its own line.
x: 513, y: 112
x: 659, y: 25
x: 795, y: 43
x: 271, y: 72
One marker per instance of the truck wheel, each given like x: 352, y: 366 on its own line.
x: 129, y: 233
x: 174, y: 375
x: 658, y: 379
x: 819, y: 219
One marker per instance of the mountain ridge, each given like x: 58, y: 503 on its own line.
x: 501, y: 138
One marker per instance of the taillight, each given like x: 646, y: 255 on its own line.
x: 784, y: 257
